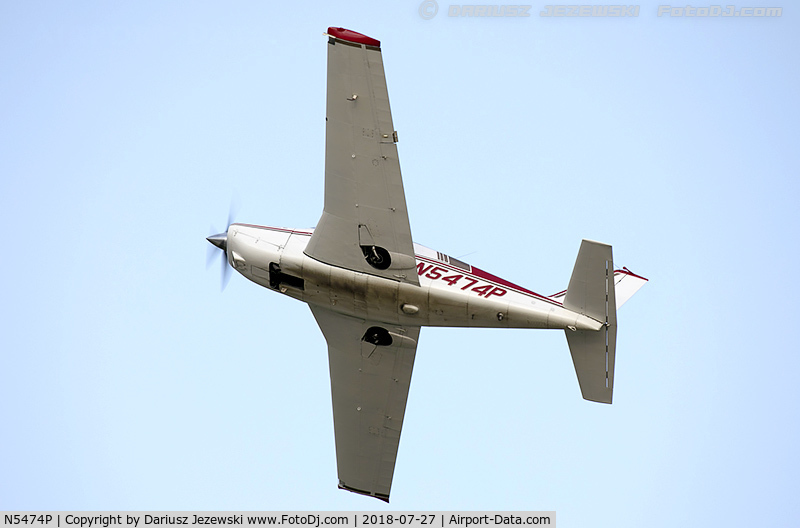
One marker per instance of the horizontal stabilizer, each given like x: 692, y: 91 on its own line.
x: 591, y: 293
x: 593, y: 356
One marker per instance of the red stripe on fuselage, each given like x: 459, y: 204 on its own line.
x: 488, y: 277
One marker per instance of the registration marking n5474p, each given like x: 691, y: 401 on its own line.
x: 433, y: 272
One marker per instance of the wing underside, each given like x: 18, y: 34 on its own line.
x: 364, y: 225
x: 369, y: 386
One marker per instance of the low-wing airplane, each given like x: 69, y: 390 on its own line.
x: 371, y: 288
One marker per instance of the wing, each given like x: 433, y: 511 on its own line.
x: 371, y: 368
x: 364, y: 225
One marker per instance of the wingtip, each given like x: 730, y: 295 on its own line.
x: 353, y: 36
x: 379, y: 496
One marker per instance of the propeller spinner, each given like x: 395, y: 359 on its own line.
x: 221, y: 241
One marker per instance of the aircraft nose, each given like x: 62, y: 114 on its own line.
x: 220, y: 240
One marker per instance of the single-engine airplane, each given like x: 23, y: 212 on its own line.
x: 371, y: 288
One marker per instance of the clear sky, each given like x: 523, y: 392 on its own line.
x: 130, y: 382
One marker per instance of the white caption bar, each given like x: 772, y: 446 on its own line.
x: 293, y: 519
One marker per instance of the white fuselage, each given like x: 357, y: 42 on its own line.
x: 450, y: 293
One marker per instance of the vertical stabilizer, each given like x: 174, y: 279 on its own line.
x: 591, y: 293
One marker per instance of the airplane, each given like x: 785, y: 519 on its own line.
x: 371, y: 288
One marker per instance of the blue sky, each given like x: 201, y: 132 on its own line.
x: 130, y: 382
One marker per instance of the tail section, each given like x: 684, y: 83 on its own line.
x: 591, y: 292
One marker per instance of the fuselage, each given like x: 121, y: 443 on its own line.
x: 450, y: 292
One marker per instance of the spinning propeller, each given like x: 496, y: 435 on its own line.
x: 221, y: 241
